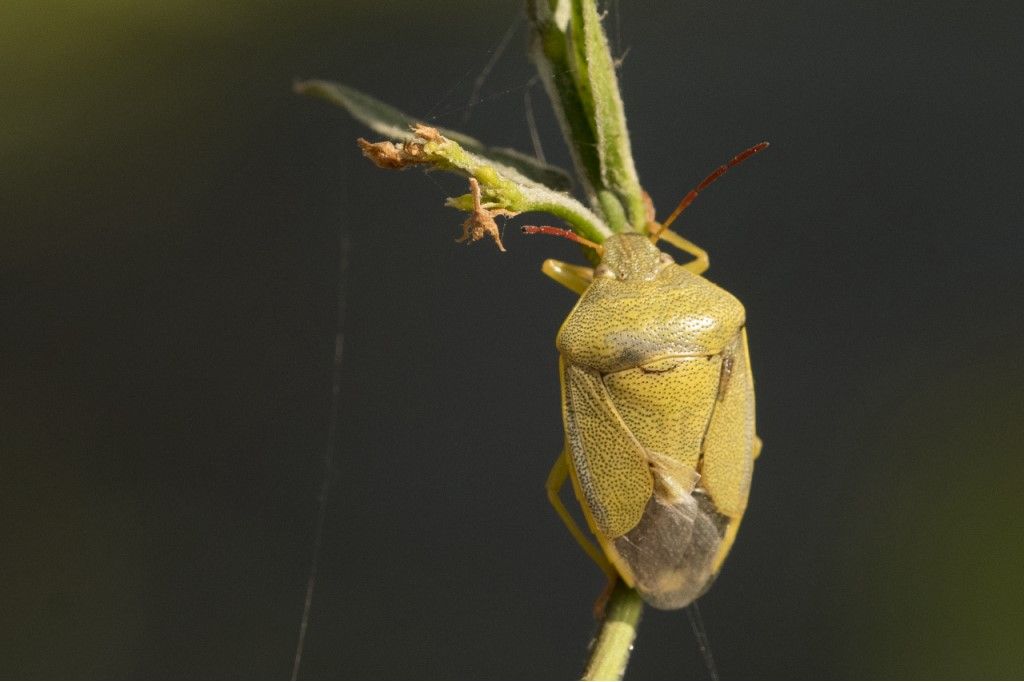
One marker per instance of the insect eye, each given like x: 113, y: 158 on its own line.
x: 603, y: 271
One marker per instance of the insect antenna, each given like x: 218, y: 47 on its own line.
x: 701, y: 633
x: 692, y: 194
x: 566, y: 234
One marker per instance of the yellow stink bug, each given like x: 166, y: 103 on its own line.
x: 658, y: 406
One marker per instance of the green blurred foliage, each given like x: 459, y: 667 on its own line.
x: 938, y: 551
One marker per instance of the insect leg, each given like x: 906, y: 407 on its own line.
x: 556, y: 479
x: 573, y: 277
x: 702, y: 262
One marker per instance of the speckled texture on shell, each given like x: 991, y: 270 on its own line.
x: 621, y: 324
x: 667, y: 405
x: 659, y: 412
x: 728, y: 463
x: 610, y: 463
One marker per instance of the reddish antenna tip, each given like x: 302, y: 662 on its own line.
x: 705, y: 183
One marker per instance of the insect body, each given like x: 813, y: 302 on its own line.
x: 658, y: 407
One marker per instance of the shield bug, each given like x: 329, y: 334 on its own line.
x: 658, y: 409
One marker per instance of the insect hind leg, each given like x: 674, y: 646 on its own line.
x: 701, y: 261
x: 556, y: 480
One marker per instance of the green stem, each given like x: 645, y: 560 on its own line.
x: 503, y: 189
x: 575, y: 63
x: 614, y: 642
x: 550, y: 50
x: 618, y: 172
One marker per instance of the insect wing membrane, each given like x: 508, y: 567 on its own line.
x: 672, y: 553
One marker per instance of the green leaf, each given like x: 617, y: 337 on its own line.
x: 392, y: 123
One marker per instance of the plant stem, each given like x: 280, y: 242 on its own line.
x: 614, y: 642
x: 575, y: 64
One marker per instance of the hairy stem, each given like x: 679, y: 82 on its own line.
x: 575, y: 63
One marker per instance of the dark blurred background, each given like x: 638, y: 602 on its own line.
x: 172, y: 220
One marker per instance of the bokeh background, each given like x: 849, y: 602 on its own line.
x: 172, y: 219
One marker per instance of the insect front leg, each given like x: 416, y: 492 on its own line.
x: 556, y: 480
x: 702, y: 262
x: 573, y: 277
